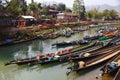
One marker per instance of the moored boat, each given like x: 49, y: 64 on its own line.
x: 112, y: 66
x: 25, y: 39
x: 42, y: 57
x: 68, y: 43
x: 81, y: 65
x: 89, y: 55
x: 117, y: 76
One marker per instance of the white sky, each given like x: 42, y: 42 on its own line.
x: 69, y: 3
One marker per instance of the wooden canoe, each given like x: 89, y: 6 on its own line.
x: 111, y: 70
x: 60, y: 60
x: 68, y: 43
x: 92, y: 54
x: 99, y: 50
x: 117, y: 76
x: 96, y: 61
x: 33, y: 59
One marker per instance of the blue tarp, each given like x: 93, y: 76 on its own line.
x: 8, y: 40
x: 102, y: 38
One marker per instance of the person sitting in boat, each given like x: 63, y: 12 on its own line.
x: 56, y: 57
x: 81, y: 64
x: 49, y: 56
x: 111, y: 65
x: 86, y: 54
x: 38, y: 57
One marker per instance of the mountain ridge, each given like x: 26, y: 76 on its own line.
x: 89, y: 7
x: 103, y: 7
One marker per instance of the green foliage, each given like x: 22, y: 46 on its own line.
x: 94, y: 13
x: 79, y: 9
x: 33, y: 6
x: 45, y: 10
x: 1, y: 5
x: 109, y: 13
x: 39, y: 6
x: 61, y: 7
x: 106, y: 13
x: 75, y: 8
x: 68, y: 10
x: 14, y: 7
x: 24, y: 8
x: 34, y: 9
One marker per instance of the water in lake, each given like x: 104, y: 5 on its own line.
x: 46, y: 72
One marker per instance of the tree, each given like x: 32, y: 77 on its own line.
x: 33, y: 6
x: 3, y: 4
x: 61, y: 7
x: 106, y: 14
x: 39, y: 6
x: 34, y: 9
x: 14, y: 7
x: 68, y: 10
x: 94, y: 13
x: 82, y: 13
x: 79, y: 9
x: 45, y: 10
x: 24, y: 8
x: 112, y: 13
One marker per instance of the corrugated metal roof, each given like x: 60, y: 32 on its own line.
x: 28, y: 17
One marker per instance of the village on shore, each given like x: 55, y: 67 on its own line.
x: 21, y: 22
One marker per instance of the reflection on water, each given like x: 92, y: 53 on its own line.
x: 46, y: 72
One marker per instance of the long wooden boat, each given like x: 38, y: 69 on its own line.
x: 68, y: 43
x: 17, y: 41
x: 33, y: 59
x: 112, y: 66
x: 115, y: 40
x: 89, y: 55
x: 64, y: 54
x: 117, y: 76
x: 63, y: 58
x: 51, y: 35
x: 110, y: 34
x: 53, y: 60
x: 91, y: 38
x: 79, y: 28
x: 92, y: 51
x: 94, y: 62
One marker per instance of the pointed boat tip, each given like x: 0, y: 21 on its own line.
x: 7, y: 63
x: 67, y: 73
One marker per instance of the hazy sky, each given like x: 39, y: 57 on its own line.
x: 69, y: 3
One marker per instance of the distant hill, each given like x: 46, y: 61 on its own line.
x: 103, y: 7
